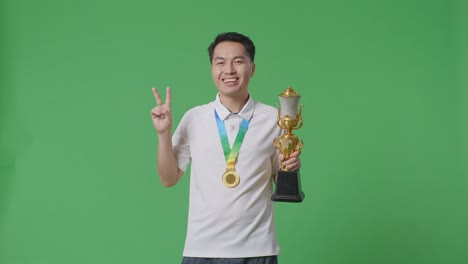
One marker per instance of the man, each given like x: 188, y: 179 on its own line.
x: 229, y: 143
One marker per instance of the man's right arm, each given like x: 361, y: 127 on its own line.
x: 168, y: 168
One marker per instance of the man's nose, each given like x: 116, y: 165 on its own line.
x: 230, y: 68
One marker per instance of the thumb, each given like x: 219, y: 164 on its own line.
x: 281, y: 157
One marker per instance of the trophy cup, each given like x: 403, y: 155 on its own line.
x: 288, y: 183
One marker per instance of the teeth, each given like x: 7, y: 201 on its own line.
x: 230, y: 80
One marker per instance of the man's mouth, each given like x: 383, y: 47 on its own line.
x: 229, y: 80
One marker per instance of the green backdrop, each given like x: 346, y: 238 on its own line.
x: 384, y: 84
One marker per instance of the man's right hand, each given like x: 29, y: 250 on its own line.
x: 168, y: 170
x: 161, y: 114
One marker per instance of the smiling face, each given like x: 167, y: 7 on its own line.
x: 231, y: 69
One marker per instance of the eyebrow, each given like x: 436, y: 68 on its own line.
x: 236, y: 57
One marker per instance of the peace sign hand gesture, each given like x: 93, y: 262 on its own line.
x: 161, y: 114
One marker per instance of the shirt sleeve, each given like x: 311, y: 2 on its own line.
x: 275, y: 164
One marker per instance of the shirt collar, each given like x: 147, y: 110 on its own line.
x: 245, y: 113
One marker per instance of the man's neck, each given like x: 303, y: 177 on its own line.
x: 234, y: 104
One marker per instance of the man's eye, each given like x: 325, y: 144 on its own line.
x: 220, y: 63
x: 238, y: 62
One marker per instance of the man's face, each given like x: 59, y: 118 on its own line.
x: 231, y: 69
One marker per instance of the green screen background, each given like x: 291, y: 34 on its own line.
x: 385, y: 122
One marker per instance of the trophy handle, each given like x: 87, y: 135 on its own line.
x: 298, y: 119
x: 278, y: 120
x: 299, y: 145
x: 277, y: 144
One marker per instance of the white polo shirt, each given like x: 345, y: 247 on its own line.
x: 229, y: 222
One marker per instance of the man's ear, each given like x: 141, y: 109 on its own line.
x: 253, y: 70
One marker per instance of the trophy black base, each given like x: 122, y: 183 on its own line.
x: 288, y: 187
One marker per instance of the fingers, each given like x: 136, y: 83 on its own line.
x: 168, y: 98
x: 157, y: 97
x: 293, y: 163
x: 296, y: 153
x: 157, y: 113
x: 160, y: 112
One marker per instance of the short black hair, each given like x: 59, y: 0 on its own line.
x: 233, y: 37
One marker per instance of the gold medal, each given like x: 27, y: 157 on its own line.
x: 231, y: 179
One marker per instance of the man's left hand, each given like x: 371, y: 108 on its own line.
x: 293, y: 163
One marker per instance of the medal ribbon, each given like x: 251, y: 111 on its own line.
x: 231, y: 154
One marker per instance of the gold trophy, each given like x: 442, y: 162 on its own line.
x: 288, y: 183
